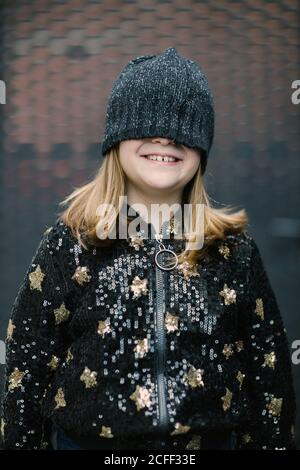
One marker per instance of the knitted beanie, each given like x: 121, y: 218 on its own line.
x: 163, y: 95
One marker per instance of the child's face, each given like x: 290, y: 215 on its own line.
x: 152, y: 175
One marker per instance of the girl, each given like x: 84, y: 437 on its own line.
x: 149, y: 340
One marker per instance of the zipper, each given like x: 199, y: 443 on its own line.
x: 161, y: 347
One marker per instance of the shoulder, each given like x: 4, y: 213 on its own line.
x: 239, y: 246
x: 58, y: 237
x: 58, y: 228
x: 239, y: 239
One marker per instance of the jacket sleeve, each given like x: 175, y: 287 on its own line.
x: 34, y: 344
x: 268, y: 380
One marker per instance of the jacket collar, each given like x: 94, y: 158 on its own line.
x: 148, y: 229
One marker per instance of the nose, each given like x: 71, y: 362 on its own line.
x: 162, y: 140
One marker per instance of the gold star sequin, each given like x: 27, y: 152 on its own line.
x: 259, y: 308
x: 53, y: 364
x: 61, y: 314
x: 142, y: 347
x: 246, y: 438
x: 89, y: 378
x: 171, y: 322
x: 69, y: 356
x: 224, y: 250
x: 60, y: 398
x: 188, y: 270
x: 194, y: 443
x: 228, y: 294
x: 226, y: 399
x: 270, y: 360
x: 194, y: 377
x: 15, y: 379
x: 104, y: 327
x: 227, y: 350
x: 10, y: 329
x: 136, y: 242
x: 142, y: 397
x: 275, y: 406
x: 240, y: 377
x: 239, y: 345
x: 106, y: 432
x: 36, y: 279
x: 139, y: 287
x: 81, y: 275
x: 180, y: 429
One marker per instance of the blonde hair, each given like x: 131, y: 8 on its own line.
x: 108, y: 187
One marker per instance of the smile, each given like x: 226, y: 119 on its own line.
x: 165, y: 159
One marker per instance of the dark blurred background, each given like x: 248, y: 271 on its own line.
x: 58, y: 61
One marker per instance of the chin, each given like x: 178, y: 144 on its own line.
x: 156, y: 187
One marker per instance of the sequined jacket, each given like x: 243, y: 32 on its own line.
x: 106, y: 344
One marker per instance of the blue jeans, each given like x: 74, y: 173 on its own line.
x: 61, y: 441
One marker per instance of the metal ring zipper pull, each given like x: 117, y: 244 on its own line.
x: 162, y: 251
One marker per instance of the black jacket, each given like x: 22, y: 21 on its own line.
x: 104, y: 343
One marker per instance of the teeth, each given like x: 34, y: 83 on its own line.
x: 159, y: 158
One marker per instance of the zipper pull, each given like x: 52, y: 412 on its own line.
x: 160, y: 255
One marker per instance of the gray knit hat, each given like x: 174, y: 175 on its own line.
x: 163, y: 95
